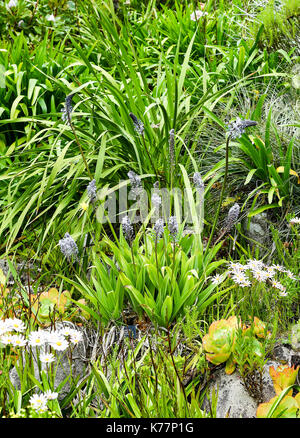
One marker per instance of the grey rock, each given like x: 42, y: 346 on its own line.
x: 258, y: 229
x: 268, y: 387
x: 295, y: 337
x: 233, y: 399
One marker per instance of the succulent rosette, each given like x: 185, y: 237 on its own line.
x: 283, y: 377
x: 218, y: 343
x: 287, y: 408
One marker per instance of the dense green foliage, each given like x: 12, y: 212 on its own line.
x: 91, y: 91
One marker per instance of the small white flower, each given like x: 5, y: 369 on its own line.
x: 7, y: 339
x: 240, y: 278
x: 197, y: 14
x: 290, y: 275
x: 270, y: 271
x: 294, y: 221
x: 58, y: 342
x: 47, y: 357
x: 12, y: 4
x: 37, y: 338
x: 217, y: 279
x: 279, y: 268
x: 66, y: 331
x: 278, y: 285
x: 18, y: 341
x: 254, y: 264
x: 283, y: 294
x: 16, y: 324
x: 38, y: 402
x: 51, y: 18
x: 259, y: 275
x: 236, y: 267
x: 245, y: 283
x: 4, y: 327
x: 76, y: 337
x: 50, y: 395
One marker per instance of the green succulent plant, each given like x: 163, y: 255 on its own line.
x: 218, y: 344
x: 50, y: 301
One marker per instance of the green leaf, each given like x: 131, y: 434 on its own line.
x: 261, y: 209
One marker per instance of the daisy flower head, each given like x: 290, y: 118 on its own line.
x: 4, y: 326
x: 278, y: 285
x: 245, y: 283
x: 47, y: 357
x: 279, y: 268
x: 38, y: 402
x: 76, y: 337
x: 283, y: 294
x: 197, y: 14
x: 270, y: 271
x: 217, y: 279
x: 51, y: 395
x: 37, y: 338
x: 16, y: 324
x: 240, y: 278
x: 66, y: 331
x: 254, y: 264
x: 290, y: 275
x: 294, y: 221
x: 18, y: 341
x: 7, y: 339
x: 236, y: 267
x: 260, y: 275
x: 57, y: 341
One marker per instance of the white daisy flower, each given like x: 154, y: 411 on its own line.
x: 58, y: 342
x: 259, y: 275
x: 217, y: 279
x: 279, y: 268
x: 38, y: 402
x: 50, y: 395
x: 18, y: 341
x: 16, y: 324
x: 278, y: 285
x: 66, y: 331
x: 47, y: 357
x: 290, y: 275
x: 245, y: 283
x: 254, y: 264
x: 7, y: 339
x: 283, y: 294
x: 239, y: 278
x: 294, y: 221
x: 76, y: 337
x: 197, y: 14
x: 4, y: 326
x: 270, y: 271
x: 37, y: 338
x: 236, y: 267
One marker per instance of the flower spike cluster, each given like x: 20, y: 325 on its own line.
x: 237, y: 129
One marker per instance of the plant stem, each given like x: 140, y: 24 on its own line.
x: 221, y: 196
x: 149, y: 156
x: 79, y: 145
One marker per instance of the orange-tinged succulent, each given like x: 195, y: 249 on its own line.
x: 287, y: 408
x: 283, y: 377
x: 259, y: 328
x: 218, y: 343
x: 47, y: 301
